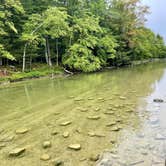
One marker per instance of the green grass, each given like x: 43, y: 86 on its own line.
x: 37, y: 71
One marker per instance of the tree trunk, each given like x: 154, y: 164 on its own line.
x: 46, y: 51
x: 24, y: 56
x: 49, y: 53
x: 57, y: 53
x: 0, y: 61
x: 30, y: 63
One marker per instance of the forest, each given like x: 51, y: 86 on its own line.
x: 81, y: 36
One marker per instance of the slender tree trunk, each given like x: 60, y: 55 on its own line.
x: 46, y: 51
x: 57, y: 53
x: 30, y: 63
x: 24, y: 57
x: 49, y: 53
x: 0, y: 61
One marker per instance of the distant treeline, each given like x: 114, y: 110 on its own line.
x: 81, y: 35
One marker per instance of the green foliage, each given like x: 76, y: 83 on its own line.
x: 83, y: 35
x: 80, y: 58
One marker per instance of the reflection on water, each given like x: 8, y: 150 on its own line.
x: 99, y: 107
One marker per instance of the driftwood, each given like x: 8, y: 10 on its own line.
x: 68, y: 72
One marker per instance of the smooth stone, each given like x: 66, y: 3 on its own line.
x: 91, y: 134
x: 111, y: 124
x: 17, y: 152
x: 109, y: 113
x: 22, y: 131
x: 115, y: 128
x: 58, y: 162
x: 45, y: 157
x: 94, y: 117
x: 65, y: 123
x: 78, y: 99
x: 75, y: 146
x: 54, y: 132
x: 94, y: 157
x: 83, y: 109
x: 2, y: 145
x: 90, y: 98
x: 97, y: 109
x: 66, y: 134
x: 122, y: 98
x: 46, y: 144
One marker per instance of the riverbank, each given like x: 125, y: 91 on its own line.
x: 12, y: 74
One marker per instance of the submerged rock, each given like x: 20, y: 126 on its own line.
x: 96, y: 117
x: 2, y: 145
x: 122, y: 98
x: 75, y: 146
x: 158, y: 100
x: 91, y: 134
x: 94, y: 157
x: 58, y: 162
x: 115, y: 128
x: 65, y: 123
x: 17, y: 152
x: 109, y: 112
x: 111, y: 124
x: 46, y: 144
x: 54, y: 132
x: 66, y: 134
x: 22, y: 131
x: 45, y: 157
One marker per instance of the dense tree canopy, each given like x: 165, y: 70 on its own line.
x: 79, y: 35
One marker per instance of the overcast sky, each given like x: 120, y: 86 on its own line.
x: 157, y: 18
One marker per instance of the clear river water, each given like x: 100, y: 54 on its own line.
x: 111, y: 115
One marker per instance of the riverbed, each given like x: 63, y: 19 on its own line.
x: 109, y: 116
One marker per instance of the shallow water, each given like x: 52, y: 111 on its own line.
x: 106, y: 110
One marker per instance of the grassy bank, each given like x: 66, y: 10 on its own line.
x: 38, y: 70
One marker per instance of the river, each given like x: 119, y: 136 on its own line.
x: 111, y: 115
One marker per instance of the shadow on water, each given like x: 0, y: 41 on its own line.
x: 95, y: 110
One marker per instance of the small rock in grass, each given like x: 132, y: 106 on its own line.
x: 46, y: 144
x: 45, y: 157
x: 17, y: 152
x: 75, y: 146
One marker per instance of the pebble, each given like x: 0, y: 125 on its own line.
x: 94, y: 117
x: 46, y: 144
x: 22, y: 131
x: 54, y: 132
x: 66, y: 134
x: 58, y: 162
x: 94, y: 157
x: 75, y: 146
x: 65, y: 123
x: 45, y: 157
x: 17, y: 152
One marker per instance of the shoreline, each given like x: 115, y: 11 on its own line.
x: 63, y: 73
